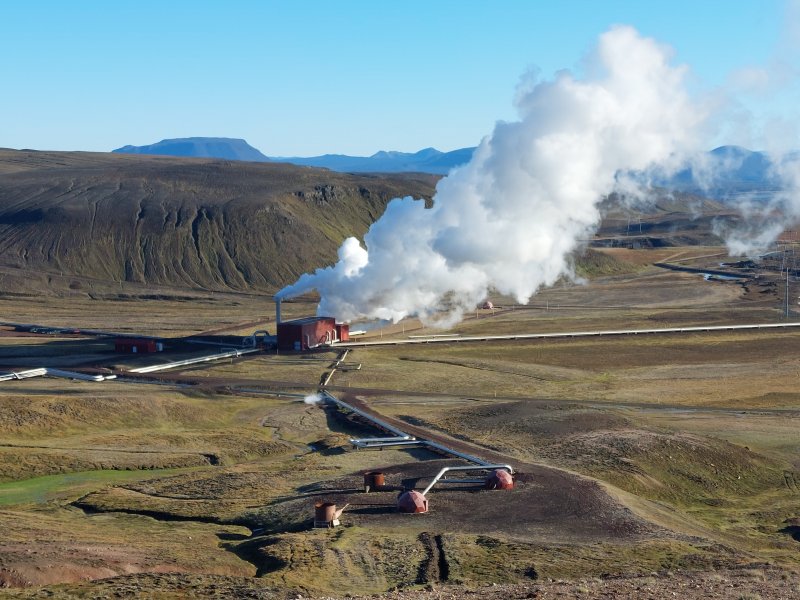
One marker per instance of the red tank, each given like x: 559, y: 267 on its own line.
x: 374, y: 481
x: 500, y: 479
x: 412, y: 502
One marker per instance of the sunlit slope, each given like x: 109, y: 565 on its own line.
x: 190, y: 222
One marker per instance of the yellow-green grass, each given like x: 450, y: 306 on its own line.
x: 304, y: 369
x: 661, y: 370
x: 69, y: 486
x: 620, y: 433
x: 123, y: 426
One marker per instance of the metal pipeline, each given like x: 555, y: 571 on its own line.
x: 388, y: 443
x: 483, y: 467
x: 50, y: 372
x: 334, y: 367
x: 194, y: 361
x: 468, y: 457
x: 401, y: 435
x: 23, y: 374
x: 402, y: 439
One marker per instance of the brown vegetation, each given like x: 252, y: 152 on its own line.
x: 190, y: 222
x: 648, y: 466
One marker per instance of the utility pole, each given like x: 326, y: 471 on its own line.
x: 787, y: 292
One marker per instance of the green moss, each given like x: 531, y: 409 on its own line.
x: 69, y: 486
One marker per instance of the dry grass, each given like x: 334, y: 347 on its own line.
x: 695, y: 433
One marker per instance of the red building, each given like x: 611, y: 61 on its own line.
x: 310, y: 332
x: 136, y: 345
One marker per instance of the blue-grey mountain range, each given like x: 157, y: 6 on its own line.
x: 736, y: 170
x: 428, y: 160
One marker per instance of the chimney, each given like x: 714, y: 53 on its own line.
x: 277, y: 311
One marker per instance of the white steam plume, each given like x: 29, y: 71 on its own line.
x: 511, y: 217
x: 765, y: 214
x: 313, y: 399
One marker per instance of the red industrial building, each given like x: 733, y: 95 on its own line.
x: 310, y: 332
x: 137, y: 345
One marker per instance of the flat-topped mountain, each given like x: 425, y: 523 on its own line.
x: 199, y: 147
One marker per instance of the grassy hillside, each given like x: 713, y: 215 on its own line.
x: 188, y: 222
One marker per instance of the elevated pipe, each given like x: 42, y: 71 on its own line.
x: 484, y: 467
x: 575, y: 334
x: 23, y: 374
x: 50, y: 372
x: 467, y: 457
x: 387, y: 443
x: 401, y: 435
x: 334, y: 368
x: 194, y: 361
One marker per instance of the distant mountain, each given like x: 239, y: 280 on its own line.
x: 428, y: 160
x: 200, y: 147
x: 725, y: 172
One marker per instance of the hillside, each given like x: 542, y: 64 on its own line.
x: 189, y: 222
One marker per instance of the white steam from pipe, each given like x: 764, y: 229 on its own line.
x: 511, y: 217
x: 313, y: 399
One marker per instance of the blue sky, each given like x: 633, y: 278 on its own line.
x: 306, y: 78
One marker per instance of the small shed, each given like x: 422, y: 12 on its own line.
x: 306, y: 333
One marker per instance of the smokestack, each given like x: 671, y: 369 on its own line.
x: 277, y: 310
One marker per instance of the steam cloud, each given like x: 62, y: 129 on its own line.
x: 313, y: 399
x: 765, y: 219
x: 510, y: 218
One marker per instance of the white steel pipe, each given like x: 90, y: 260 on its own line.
x: 50, y: 372
x: 402, y: 435
x: 194, y: 361
x: 485, y: 467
